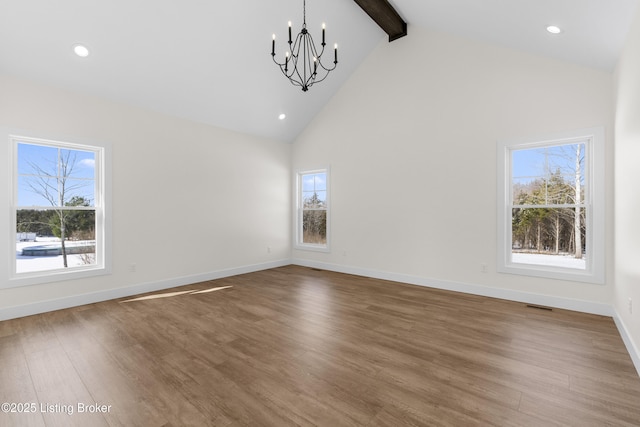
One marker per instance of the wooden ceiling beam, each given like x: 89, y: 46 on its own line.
x: 385, y: 16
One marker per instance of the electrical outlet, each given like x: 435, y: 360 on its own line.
x: 630, y: 306
x: 133, y: 267
x: 484, y: 267
x: 269, y: 249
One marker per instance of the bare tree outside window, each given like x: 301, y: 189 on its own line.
x: 548, y: 211
x: 313, y: 199
x: 551, y: 206
x: 56, y: 188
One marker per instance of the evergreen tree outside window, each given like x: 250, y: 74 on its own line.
x: 551, y: 213
x: 312, y: 223
x: 549, y: 208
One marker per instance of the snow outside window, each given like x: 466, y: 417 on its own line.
x: 57, y: 216
x: 551, y: 206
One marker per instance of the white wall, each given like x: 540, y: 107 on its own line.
x: 411, y: 142
x: 190, y: 201
x: 627, y: 189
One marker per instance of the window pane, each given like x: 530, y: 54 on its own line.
x: 320, y: 181
x: 314, y: 182
x: 28, y: 196
x: 34, y: 222
x: 550, y: 215
x: 79, y: 192
x: 546, y: 236
x: 308, y: 182
x: 554, y: 190
x: 314, y: 227
x: 39, y: 239
x: 314, y: 199
x: 549, y: 175
x: 31, y: 154
x: 50, y: 176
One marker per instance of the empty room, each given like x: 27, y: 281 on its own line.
x: 320, y: 213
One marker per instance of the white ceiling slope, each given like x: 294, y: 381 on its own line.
x: 209, y: 61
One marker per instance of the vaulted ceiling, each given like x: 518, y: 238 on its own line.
x: 210, y: 61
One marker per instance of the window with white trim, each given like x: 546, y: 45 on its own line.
x: 58, y: 210
x: 312, y: 231
x: 551, y: 206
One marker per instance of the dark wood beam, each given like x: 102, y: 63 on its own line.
x: 385, y: 16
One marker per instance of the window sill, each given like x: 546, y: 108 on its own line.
x: 37, y: 278
x: 548, y: 272
x: 311, y: 247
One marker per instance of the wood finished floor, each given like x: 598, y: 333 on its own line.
x: 297, y: 346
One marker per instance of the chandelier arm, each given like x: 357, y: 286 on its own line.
x: 277, y: 63
x: 295, y: 50
x: 319, y: 55
x: 299, y: 43
x: 321, y: 65
x: 313, y: 61
x: 317, y: 80
x: 311, y: 50
x: 288, y: 76
x: 305, y: 58
x: 282, y: 68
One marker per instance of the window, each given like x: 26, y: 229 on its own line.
x: 313, y: 202
x: 551, y: 206
x: 58, y: 210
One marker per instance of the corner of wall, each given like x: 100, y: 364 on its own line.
x: 632, y: 348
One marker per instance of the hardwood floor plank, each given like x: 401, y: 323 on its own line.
x: 6, y: 328
x: 36, y: 334
x: 302, y: 409
x: 163, y: 386
x: 221, y: 397
x: 16, y: 386
x: 294, y: 346
x: 106, y: 381
x: 574, y: 409
x: 62, y: 396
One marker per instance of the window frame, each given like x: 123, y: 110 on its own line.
x: 298, y: 235
x: 101, y: 206
x: 594, y: 271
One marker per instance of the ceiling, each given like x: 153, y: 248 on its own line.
x: 209, y: 61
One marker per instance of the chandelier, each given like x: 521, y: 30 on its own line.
x: 302, y: 62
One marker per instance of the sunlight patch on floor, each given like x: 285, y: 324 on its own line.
x: 174, y: 294
x: 206, y: 291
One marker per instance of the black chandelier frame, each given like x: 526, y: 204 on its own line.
x: 303, y: 63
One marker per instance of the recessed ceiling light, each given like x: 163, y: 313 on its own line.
x: 81, y: 50
x: 554, y: 29
x: 282, y: 116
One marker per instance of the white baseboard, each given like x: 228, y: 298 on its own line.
x: 141, y: 288
x: 507, y: 294
x: 632, y: 348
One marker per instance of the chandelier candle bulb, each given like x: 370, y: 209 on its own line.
x: 335, y: 53
x: 289, y: 32
x: 273, y: 46
x: 323, y: 43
